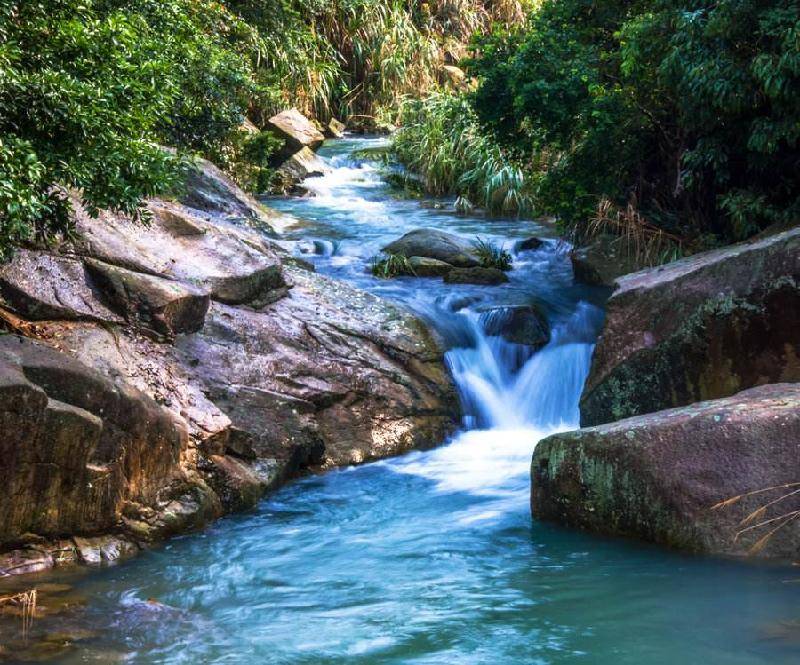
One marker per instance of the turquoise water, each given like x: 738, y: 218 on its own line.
x: 433, y: 557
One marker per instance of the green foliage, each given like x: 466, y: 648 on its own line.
x: 107, y: 84
x: 90, y: 90
x: 684, y: 108
x: 492, y: 256
x: 441, y: 140
x: 392, y: 265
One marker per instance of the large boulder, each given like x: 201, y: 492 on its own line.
x: 328, y: 375
x: 76, y: 447
x: 192, y: 250
x: 434, y: 244
x: 296, y: 130
x: 303, y: 164
x: 657, y: 476
x: 335, y: 129
x: 701, y: 328
x: 163, y: 305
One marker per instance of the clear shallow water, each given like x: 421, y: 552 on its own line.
x: 433, y: 557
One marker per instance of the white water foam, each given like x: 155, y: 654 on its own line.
x: 516, y: 409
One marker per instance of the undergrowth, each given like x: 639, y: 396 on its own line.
x: 392, y: 265
x: 491, y: 255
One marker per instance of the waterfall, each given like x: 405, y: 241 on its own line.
x: 511, y: 398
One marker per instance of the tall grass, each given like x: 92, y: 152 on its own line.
x: 440, y: 139
x: 341, y: 57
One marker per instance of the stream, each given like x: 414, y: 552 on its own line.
x: 432, y: 557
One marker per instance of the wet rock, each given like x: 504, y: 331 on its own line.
x: 434, y: 244
x: 166, y: 306
x: 602, y: 261
x: 24, y: 561
x: 529, y: 244
x: 700, y: 328
x: 487, y: 276
x: 335, y: 129
x: 239, y: 484
x: 296, y: 130
x: 656, y: 476
x: 103, y: 549
x: 40, y: 286
x: 301, y: 165
x: 425, y: 267
x: 520, y: 324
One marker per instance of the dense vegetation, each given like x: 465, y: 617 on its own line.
x: 678, y: 119
x: 90, y: 90
x: 670, y: 119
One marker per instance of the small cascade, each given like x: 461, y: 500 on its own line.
x: 503, y: 385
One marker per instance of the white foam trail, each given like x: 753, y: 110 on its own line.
x: 516, y: 408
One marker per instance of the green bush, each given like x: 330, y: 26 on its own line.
x: 686, y: 111
x: 392, y: 265
x: 492, y: 256
x: 106, y: 85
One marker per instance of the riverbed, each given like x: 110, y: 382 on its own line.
x: 433, y: 557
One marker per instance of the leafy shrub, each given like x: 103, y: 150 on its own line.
x: 492, y: 256
x: 392, y: 265
x: 685, y: 109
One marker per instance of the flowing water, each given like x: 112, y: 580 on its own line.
x: 433, y: 557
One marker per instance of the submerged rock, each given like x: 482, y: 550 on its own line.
x: 519, y: 324
x: 487, y: 276
x: 528, y: 244
x: 700, y: 328
x: 434, y: 244
x: 657, y: 476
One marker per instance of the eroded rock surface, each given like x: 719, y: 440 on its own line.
x: 260, y: 369
x: 656, y: 476
x: 701, y: 328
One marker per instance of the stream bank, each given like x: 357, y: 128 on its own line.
x: 430, y: 557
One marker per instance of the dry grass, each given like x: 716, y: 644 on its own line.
x: 26, y: 601
x: 640, y: 239
x: 758, y: 519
